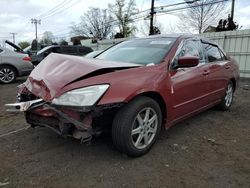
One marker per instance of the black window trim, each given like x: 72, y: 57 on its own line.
x: 223, y: 56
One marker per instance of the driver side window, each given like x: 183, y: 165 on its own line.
x: 190, y: 47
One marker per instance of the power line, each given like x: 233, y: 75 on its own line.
x: 159, y: 9
x: 62, y: 10
x: 60, y: 5
x: 191, y: 6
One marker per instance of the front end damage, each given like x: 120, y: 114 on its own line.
x: 74, y: 111
x: 79, y: 122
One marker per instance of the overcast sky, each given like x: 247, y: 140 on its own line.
x: 15, y: 15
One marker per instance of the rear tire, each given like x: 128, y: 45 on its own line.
x: 8, y: 74
x: 136, y: 126
x: 228, y: 97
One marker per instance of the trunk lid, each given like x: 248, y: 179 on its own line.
x: 18, y: 49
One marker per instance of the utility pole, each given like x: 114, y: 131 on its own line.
x: 232, y: 10
x: 13, y: 36
x: 35, y: 21
x: 152, y: 13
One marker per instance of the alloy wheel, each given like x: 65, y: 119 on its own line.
x: 7, y: 75
x: 229, y: 95
x: 144, y: 128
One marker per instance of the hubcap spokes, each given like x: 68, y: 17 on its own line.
x: 144, y: 128
x: 229, y: 95
x: 6, y: 75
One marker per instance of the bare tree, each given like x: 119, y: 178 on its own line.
x: 123, y: 12
x: 200, y: 15
x: 95, y: 22
x: 144, y: 27
x: 47, y: 38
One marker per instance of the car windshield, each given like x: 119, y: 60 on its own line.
x: 139, y: 51
x: 43, y: 50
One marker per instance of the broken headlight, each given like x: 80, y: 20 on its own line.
x: 86, y: 96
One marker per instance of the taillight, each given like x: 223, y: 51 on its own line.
x: 27, y: 58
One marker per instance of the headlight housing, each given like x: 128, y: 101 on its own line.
x: 86, y: 96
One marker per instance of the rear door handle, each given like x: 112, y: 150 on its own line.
x: 205, y: 72
x: 227, y: 67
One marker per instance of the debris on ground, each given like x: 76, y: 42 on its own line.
x: 211, y: 140
x: 4, y: 183
x: 167, y: 165
x: 246, y: 87
x: 184, y: 147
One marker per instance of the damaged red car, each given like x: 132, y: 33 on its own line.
x: 132, y: 89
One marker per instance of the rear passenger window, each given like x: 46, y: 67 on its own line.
x: 213, y: 53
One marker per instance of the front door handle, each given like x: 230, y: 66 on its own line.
x: 227, y: 67
x: 205, y: 72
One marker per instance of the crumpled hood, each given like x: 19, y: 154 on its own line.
x: 57, y: 70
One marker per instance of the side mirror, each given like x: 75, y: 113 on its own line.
x: 187, y: 61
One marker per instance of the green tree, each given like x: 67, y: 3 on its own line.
x: 24, y: 44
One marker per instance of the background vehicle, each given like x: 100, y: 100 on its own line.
x: 13, y: 64
x: 136, y: 86
x: 67, y: 49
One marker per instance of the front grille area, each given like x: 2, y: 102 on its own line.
x: 37, y: 120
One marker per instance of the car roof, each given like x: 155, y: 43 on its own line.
x: 182, y: 36
x: 174, y: 35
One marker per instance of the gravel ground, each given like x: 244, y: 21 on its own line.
x: 208, y: 150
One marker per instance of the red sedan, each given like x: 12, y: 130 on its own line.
x: 132, y: 89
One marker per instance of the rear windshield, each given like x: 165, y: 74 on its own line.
x: 139, y: 51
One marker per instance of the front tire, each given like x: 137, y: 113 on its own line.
x: 228, y: 97
x: 136, y: 126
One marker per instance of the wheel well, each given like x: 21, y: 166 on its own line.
x: 158, y: 98
x: 234, y: 82
x: 10, y: 66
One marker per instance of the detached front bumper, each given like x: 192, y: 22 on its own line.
x: 21, y: 106
x: 81, y: 123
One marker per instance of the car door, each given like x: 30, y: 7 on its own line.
x: 217, y: 71
x: 189, y: 85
